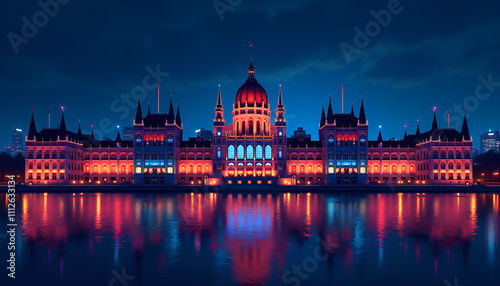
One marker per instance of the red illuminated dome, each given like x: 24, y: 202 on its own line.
x: 251, y: 92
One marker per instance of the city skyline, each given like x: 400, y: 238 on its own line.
x: 190, y: 56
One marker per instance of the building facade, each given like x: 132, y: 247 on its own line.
x: 252, y: 149
x: 489, y: 141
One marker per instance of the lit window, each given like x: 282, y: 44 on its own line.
x: 138, y: 170
x: 268, y: 152
x: 241, y: 152
x: 230, y: 152
x: 249, y: 152
x: 280, y: 133
x: 218, y: 133
x: 170, y: 169
x: 362, y: 170
x: 330, y: 170
x: 258, y: 152
x: 219, y: 153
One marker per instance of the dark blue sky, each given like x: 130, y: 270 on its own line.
x: 90, y: 55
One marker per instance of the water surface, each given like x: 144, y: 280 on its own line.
x: 255, y: 239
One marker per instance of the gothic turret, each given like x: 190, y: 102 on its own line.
x: 379, y: 139
x: 329, y: 116
x: 465, y: 129
x: 178, y: 117
x: 32, y: 131
x: 434, y: 122
x: 418, y: 128
x: 322, y: 122
x: 362, y: 116
x: 171, y: 115
x: 138, y: 114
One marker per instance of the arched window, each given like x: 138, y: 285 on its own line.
x: 54, y: 165
x: 302, y: 156
x: 62, y: 165
x: 237, y: 128
x: 466, y: 165
x: 376, y: 156
x: 435, y: 154
x: 450, y: 154
x: 39, y: 154
x: 104, y: 156
x: 459, y: 166
x: 241, y: 152
x: 208, y: 156
x: 199, y: 156
x: 123, y: 169
x: 443, y: 165
x: 243, y: 130
x: 450, y: 165
x: 412, y: 156
x: 30, y: 154
x: 467, y: 154
x: 138, y: 156
x: 443, y: 154
x: 170, y: 140
x: 113, y: 156
x: 47, y: 154
x: 54, y: 154
x: 63, y: 154
x: 230, y: 152
x: 331, y: 141
x: 38, y: 165
x: 191, y: 156
x: 294, y: 169
x: 258, y: 152
x: 250, y: 151
x: 385, y: 156
x: 403, y: 169
x: 30, y: 165
x: 250, y: 127
x: 330, y: 155
x: 123, y: 156
x: 458, y: 155
x: 362, y: 156
x: 46, y: 165
x: 280, y: 152
x: 394, y: 169
x: 302, y: 169
x: 257, y: 127
x: 354, y: 156
x: 318, y: 156
x: 319, y: 170
x: 268, y: 152
x: 435, y: 165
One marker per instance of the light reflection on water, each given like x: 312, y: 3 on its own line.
x: 253, y: 239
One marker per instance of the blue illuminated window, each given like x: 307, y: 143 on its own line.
x: 280, y: 133
x: 241, y: 152
x: 230, y: 152
x: 219, y: 153
x: 218, y: 133
x: 269, y: 151
x: 249, y: 152
x: 258, y: 152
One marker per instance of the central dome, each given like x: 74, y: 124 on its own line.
x: 251, y: 92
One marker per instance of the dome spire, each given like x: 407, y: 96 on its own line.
x: 251, y: 70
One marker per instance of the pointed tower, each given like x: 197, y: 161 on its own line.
x: 465, y: 128
x: 79, y: 132
x: 362, y: 116
x: 322, y: 121
x: 62, y: 127
x: 92, y: 133
x: 379, y: 139
x: 352, y: 108
x: 406, y: 135
x: 279, y: 139
x: 118, y: 137
x: 149, y: 109
x: 219, y: 139
x: 329, y: 116
x: 138, y: 114
x: 178, y: 117
x: 434, y: 121
x: 32, y: 131
x: 280, y: 113
x: 171, y: 115
x: 418, y: 128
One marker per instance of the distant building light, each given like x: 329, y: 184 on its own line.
x: 19, y: 130
x: 197, y: 130
x: 491, y: 134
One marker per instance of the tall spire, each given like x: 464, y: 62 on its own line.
x: 92, y: 133
x: 418, y: 127
x: 219, y: 100
x: 434, y: 121
x: 352, y: 108
x: 362, y: 116
x: 79, y: 132
x: 465, y: 127
x: 280, y: 99
x: 178, y: 117
x: 62, y: 126
x: 32, y: 131
x: 171, y: 116
x: 149, y: 109
x: 379, y: 139
x: 118, y: 137
x: 251, y: 70
x: 138, y: 114
x: 329, y: 116
x: 406, y: 135
x: 322, y: 122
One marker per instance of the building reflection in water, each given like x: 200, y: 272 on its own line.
x: 255, y: 236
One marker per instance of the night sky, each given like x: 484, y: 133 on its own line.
x: 92, y: 57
